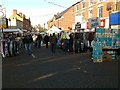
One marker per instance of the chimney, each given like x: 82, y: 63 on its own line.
x: 14, y: 12
x: 20, y: 14
x: 24, y: 16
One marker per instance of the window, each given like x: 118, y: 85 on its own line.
x: 100, y: 11
x: 83, y: 4
x: 83, y: 15
x: 77, y: 7
x: 91, y: 2
x: 100, y: 0
x: 90, y: 13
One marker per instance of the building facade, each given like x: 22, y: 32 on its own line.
x: 64, y: 20
x: 96, y: 8
x: 26, y: 23
x: 80, y: 12
x: 19, y: 21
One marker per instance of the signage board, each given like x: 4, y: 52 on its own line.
x: 115, y: 18
x: 94, y: 22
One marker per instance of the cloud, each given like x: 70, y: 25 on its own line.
x: 41, y: 15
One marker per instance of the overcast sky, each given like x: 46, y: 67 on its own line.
x: 40, y: 11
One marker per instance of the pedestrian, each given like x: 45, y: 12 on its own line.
x: 71, y: 43
x: 46, y: 40
x: 66, y: 43
x: 23, y: 40
x: 12, y: 44
x: 93, y: 43
x: 18, y: 43
x: 38, y: 40
x: 63, y: 40
x: 53, y: 41
x: 34, y: 37
x: 28, y: 42
x: 78, y: 40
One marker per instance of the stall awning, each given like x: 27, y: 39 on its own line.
x: 13, y: 30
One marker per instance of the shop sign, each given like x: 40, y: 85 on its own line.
x: 115, y: 18
x: 78, y: 26
x: 94, y: 22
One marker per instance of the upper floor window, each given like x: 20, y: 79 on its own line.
x: 91, y: 2
x: 100, y: 0
x: 100, y: 11
x: 90, y: 13
x: 77, y: 7
x: 83, y: 15
x: 83, y: 4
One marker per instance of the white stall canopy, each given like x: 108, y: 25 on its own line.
x: 54, y: 30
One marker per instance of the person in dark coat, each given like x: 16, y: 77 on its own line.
x: 71, y: 43
x: 46, y: 40
x: 78, y: 39
x: 38, y: 40
x: 28, y: 42
x: 53, y: 42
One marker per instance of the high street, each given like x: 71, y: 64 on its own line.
x: 59, y: 70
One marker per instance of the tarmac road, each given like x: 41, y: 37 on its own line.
x: 59, y: 70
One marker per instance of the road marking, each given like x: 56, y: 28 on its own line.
x: 33, y: 55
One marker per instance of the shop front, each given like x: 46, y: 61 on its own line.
x: 104, y: 23
x: 106, y: 40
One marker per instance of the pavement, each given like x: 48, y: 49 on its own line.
x: 59, y: 70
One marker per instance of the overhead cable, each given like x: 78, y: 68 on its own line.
x: 54, y: 4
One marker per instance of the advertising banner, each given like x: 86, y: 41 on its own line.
x: 115, y: 18
x: 94, y: 22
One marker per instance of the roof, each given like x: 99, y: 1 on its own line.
x: 62, y: 13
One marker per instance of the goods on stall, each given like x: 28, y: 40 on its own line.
x: 108, y: 39
x: 106, y: 56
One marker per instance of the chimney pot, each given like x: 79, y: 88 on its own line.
x: 20, y: 14
x: 14, y: 12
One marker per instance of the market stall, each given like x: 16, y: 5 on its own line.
x: 107, y: 45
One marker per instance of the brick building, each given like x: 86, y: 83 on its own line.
x: 81, y: 11
x: 64, y: 20
x: 18, y: 20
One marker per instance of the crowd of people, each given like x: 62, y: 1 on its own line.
x: 70, y: 42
